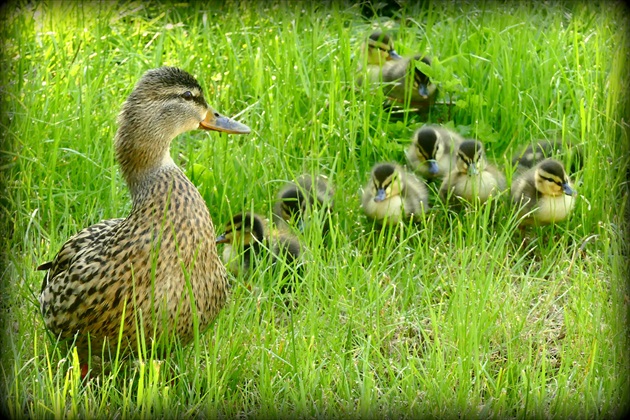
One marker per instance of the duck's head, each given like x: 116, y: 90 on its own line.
x: 551, y: 179
x: 243, y: 229
x: 293, y: 204
x: 429, y: 147
x: 422, y: 80
x: 165, y: 102
x: 386, y: 181
x: 379, y: 48
x: 471, y: 158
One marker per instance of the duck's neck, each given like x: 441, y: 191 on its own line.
x: 141, y: 156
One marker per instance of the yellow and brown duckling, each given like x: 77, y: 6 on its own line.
x: 544, y: 194
x: 402, y: 80
x: 394, y: 195
x: 136, y: 269
x: 304, y: 199
x: 473, y: 179
x: 433, y: 151
x: 247, y: 237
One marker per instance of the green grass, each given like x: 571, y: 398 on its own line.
x: 459, y: 315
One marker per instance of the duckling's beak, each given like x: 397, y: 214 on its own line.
x: 217, y: 122
x: 472, y: 169
x: 568, y: 190
x: 380, y: 195
x: 393, y: 55
x: 221, y: 239
x: 433, y: 167
x: 423, y: 90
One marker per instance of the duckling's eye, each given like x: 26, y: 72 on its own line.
x: 187, y: 95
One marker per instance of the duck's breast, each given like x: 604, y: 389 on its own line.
x: 554, y: 209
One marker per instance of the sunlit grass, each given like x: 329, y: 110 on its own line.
x: 461, y: 314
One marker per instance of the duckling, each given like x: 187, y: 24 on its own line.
x: 143, y: 270
x: 543, y: 193
x: 297, y: 201
x: 432, y: 152
x: 542, y: 149
x: 243, y: 234
x: 393, y: 195
x: 473, y: 178
x: 405, y: 80
x: 248, y: 234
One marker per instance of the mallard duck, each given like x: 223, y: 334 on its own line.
x: 393, y: 195
x: 297, y: 201
x: 542, y: 149
x: 404, y: 80
x: 473, y: 179
x: 544, y: 193
x: 248, y: 236
x: 143, y: 270
x: 432, y: 152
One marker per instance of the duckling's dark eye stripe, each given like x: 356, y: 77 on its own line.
x: 424, y: 154
x: 551, y: 180
x: 384, y: 49
x: 382, y: 185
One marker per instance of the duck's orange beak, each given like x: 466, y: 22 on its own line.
x: 217, y: 122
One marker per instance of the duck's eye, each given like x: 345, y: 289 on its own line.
x: 187, y: 95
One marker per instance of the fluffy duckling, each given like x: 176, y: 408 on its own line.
x: 543, y: 193
x: 298, y: 200
x: 145, y: 268
x: 405, y: 80
x: 542, y: 149
x: 393, y: 195
x: 247, y: 234
x: 432, y: 152
x: 473, y: 179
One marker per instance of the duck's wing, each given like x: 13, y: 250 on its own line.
x: 524, y: 190
x: 448, y: 183
x: 498, y: 175
x: 415, y: 194
x: 75, y: 245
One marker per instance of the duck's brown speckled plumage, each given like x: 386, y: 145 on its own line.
x: 140, y: 265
